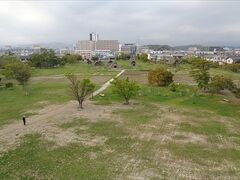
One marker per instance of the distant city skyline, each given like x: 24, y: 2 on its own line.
x: 148, y: 22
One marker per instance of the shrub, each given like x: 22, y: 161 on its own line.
x: 95, y: 58
x: 236, y: 91
x: 173, y: 87
x: 6, y: 59
x: 160, y: 77
x: 142, y: 57
x: 9, y: 85
x: 124, y: 56
x: 200, y: 72
x: 231, y: 67
x: 71, y: 58
x: 219, y: 83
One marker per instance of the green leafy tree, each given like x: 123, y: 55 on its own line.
x: 71, y: 58
x: 231, y: 67
x: 80, y: 89
x: 200, y: 72
x: 160, y: 77
x: 95, y: 58
x: 45, y: 59
x: 220, y: 82
x: 142, y: 57
x: 19, y: 71
x: 6, y: 59
x: 173, y: 87
x: 124, y: 56
x: 125, y: 88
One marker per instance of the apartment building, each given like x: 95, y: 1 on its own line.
x: 95, y: 44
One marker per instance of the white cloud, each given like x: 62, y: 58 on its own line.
x: 173, y: 22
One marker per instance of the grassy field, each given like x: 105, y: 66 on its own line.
x: 153, y: 139
x: 14, y: 104
x: 79, y: 68
x: 161, y: 135
x: 47, y: 86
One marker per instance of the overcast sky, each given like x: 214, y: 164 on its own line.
x: 147, y: 22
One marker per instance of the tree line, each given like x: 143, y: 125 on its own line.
x: 13, y: 68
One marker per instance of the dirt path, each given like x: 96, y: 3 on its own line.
x: 47, y: 123
x: 48, y: 119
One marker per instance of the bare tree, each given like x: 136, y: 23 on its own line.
x: 80, y: 88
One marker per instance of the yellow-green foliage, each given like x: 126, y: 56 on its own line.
x: 160, y: 77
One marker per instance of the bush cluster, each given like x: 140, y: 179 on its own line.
x: 220, y: 82
x: 231, y: 67
x: 160, y: 77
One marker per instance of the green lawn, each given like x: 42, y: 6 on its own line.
x: 183, y: 97
x: 161, y: 135
x: 139, y: 143
x: 47, y: 86
x: 79, y: 68
x: 126, y: 64
x: 185, y: 68
x: 14, y: 103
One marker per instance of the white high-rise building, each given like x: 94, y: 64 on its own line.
x: 94, y: 44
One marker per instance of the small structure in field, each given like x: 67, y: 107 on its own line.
x: 114, y: 65
x: 133, y: 63
x: 89, y: 61
x: 98, y: 63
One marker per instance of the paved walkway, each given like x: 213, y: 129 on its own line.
x: 105, y: 86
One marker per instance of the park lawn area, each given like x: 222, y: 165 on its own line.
x: 140, y: 65
x: 186, y: 68
x: 184, y: 97
x: 14, y: 103
x: 78, y: 68
x: 161, y: 135
x: 47, y: 86
x: 233, y: 75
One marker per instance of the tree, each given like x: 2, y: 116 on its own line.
x: 45, y: 59
x: 220, y: 82
x: 124, y: 56
x: 200, y: 68
x: 80, y: 89
x: 231, y: 67
x: 19, y: 71
x: 5, y: 59
x: 95, y: 58
x: 142, y: 57
x: 71, y: 58
x: 160, y: 77
x: 125, y: 88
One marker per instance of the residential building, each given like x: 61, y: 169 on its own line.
x: 233, y: 60
x: 129, y: 48
x: 85, y: 45
x: 112, y: 45
x: 95, y: 44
